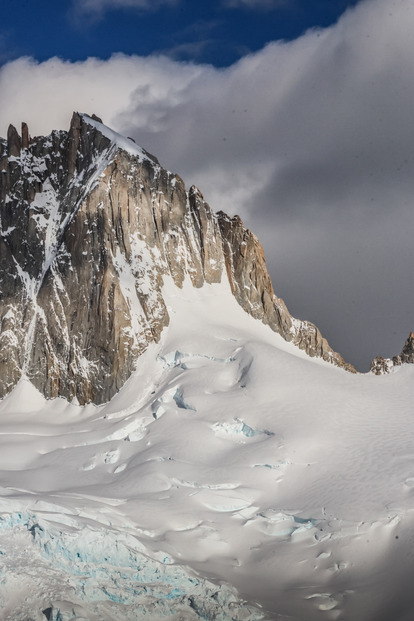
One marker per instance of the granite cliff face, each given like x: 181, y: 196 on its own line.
x: 90, y: 226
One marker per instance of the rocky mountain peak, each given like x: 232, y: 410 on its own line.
x: 16, y: 143
x: 407, y: 352
x: 381, y: 366
x: 13, y: 142
x: 90, y: 227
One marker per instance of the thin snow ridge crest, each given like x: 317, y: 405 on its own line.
x: 125, y: 144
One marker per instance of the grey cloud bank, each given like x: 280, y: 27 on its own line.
x: 311, y: 142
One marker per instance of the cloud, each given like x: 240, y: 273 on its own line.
x: 45, y: 94
x: 309, y: 141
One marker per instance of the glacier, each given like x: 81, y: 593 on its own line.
x: 284, y: 492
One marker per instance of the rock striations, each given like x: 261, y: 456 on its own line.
x: 91, y: 225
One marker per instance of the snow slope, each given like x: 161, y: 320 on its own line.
x: 229, y: 458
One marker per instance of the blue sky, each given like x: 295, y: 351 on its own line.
x: 214, y: 31
x: 294, y: 114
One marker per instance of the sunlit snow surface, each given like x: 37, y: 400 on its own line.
x: 230, y: 458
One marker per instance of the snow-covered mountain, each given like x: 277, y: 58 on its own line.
x: 163, y: 452
x: 91, y: 225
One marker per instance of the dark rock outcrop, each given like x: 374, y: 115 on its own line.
x: 13, y: 142
x: 90, y: 226
x: 381, y: 366
x: 25, y: 136
x: 407, y: 353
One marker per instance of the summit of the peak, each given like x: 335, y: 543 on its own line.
x: 122, y: 142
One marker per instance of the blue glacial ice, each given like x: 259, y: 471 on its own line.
x: 85, y: 571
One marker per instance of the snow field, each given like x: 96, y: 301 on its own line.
x: 229, y: 452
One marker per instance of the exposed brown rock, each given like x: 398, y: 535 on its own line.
x: 407, y: 353
x: 13, y: 142
x: 381, y: 366
x: 25, y: 136
x: 73, y: 143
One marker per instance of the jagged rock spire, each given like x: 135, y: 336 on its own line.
x: 25, y: 136
x: 380, y: 365
x: 407, y: 352
x: 13, y: 142
x: 73, y: 142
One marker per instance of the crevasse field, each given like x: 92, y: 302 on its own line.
x: 232, y: 478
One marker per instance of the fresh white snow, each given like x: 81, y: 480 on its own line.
x: 229, y: 458
x: 126, y: 144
